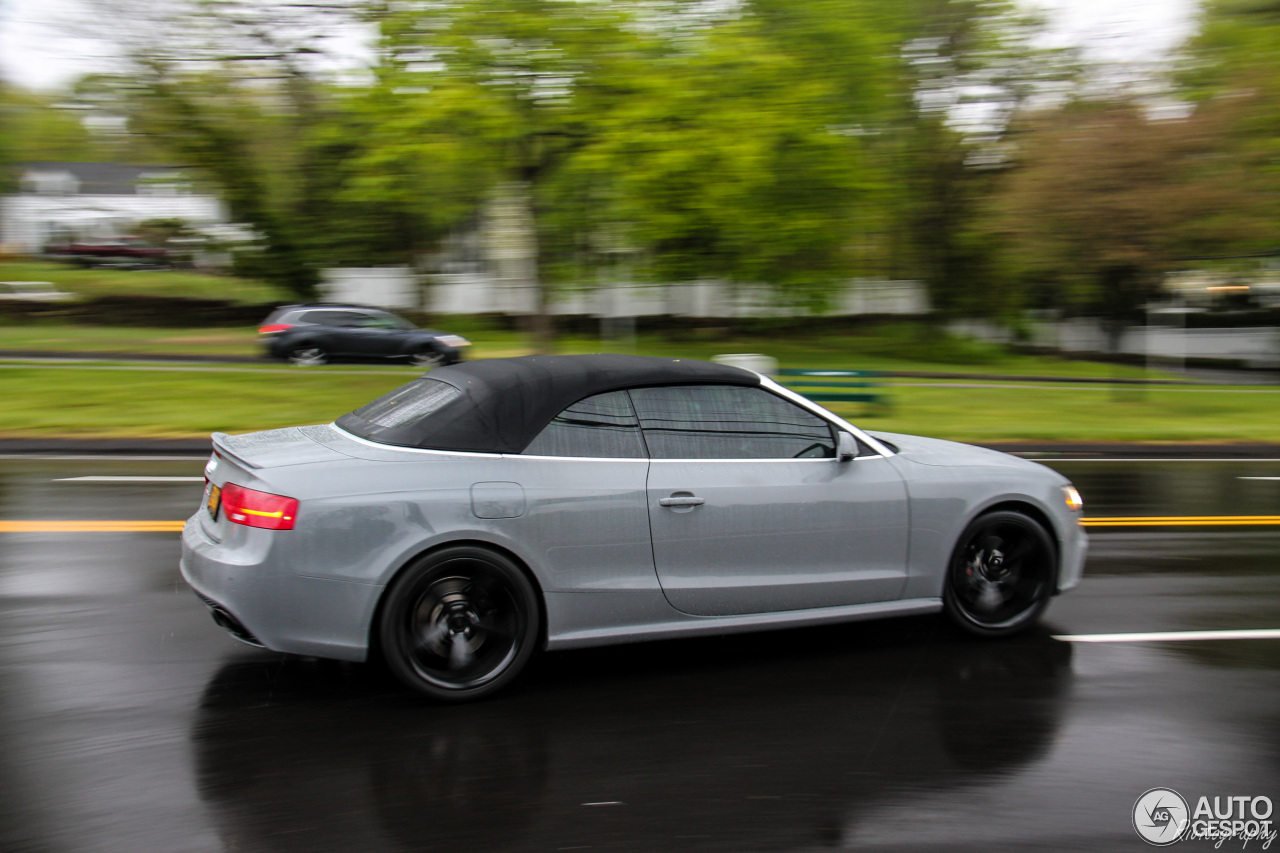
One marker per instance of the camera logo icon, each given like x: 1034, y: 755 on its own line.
x: 1160, y: 816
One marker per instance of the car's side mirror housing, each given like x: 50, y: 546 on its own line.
x: 846, y: 446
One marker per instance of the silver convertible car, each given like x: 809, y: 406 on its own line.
x: 490, y: 509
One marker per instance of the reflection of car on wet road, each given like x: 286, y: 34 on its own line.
x: 463, y: 520
x: 697, y: 751
x: 314, y: 333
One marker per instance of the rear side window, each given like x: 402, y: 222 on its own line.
x: 603, y: 426
x: 408, y: 404
x: 333, y: 318
x: 728, y: 422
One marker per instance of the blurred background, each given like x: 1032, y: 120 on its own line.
x: 1064, y: 188
x: 1041, y: 225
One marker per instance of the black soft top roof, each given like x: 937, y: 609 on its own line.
x: 503, y: 403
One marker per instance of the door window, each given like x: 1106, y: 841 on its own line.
x: 728, y: 422
x: 601, y: 426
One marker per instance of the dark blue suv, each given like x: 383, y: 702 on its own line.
x: 318, y: 332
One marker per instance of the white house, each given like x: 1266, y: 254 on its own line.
x: 95, y: 201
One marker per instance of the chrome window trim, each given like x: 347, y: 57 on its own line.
x: 765, y: 382
x: 809, y: 405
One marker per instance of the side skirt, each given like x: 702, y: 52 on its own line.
x: 689, y: 626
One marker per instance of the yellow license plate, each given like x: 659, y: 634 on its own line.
x: 214, y: 501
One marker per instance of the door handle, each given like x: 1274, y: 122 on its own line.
x: 681, y: 500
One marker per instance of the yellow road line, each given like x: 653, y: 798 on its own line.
x: 1181, y: 521
x: 91, y: 526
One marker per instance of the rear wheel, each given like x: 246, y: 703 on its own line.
x: 308, y: 355
x: 1001, y: 575
x: 459, y: 624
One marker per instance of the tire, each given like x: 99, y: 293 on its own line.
x: 1001, y: 575
x: 307, y: 355
x: 459, y: 624
x: 427, y: 358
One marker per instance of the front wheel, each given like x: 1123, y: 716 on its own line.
x: 427, y: 359
x: 459, y: 624
x: 1001, y: 575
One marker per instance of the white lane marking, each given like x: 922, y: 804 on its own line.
x: 1258, y: 478
x: 1035, y: 458
x: 1173, y: 636
x: 607, y: 803
x: 129, y: 480
x: 1014, y: 384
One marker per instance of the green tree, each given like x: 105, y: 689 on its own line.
x: 475, y: 96
x: 235, y: 90
x: 967, y: 68
x: 1104, y: 200
x: 743, y: 155
x: 1231, y: 76
x: 37, y: 127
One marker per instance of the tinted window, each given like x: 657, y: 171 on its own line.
x: 408, y: 404
x: 727, y: 422
x: 333, y: 318
x: 383, y: 321
x: 600, y: 426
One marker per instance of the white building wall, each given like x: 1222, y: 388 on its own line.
x: 27, y: 222
x: 386, y: 287
x: 1254, y: 346
x: 477, y: 293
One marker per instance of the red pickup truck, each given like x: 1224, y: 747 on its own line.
x: 124, y: 252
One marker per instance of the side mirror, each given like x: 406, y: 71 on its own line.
x: 846, y: 446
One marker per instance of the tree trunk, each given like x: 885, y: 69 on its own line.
x: 513, y: 249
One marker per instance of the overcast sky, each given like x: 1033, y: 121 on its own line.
x: 36, y: 52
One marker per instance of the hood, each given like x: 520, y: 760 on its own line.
x: 951, y: 454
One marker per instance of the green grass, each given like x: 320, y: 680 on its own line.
x: 83, y: 402
x: 61, y: 337
x: 110, y: 282
x: 80, y: 401
x: 898, y: 347
x: 1078, y: 414
x: 869, y: 351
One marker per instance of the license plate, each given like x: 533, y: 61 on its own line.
x: 214, y: 501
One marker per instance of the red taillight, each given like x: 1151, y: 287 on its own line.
x: 272, y: 328
x: 258, y: 509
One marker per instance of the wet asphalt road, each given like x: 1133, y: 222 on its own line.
x: 128, y: 721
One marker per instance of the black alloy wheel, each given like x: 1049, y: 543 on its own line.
x: 1001, y: 575
x: 459, y: 624
x: 308, y: 355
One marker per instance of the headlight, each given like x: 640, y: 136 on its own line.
x: 1074, y: 502
x: 453, y: 341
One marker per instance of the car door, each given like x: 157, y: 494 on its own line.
x: 751, y: 511
x: 340, y: 330
x: 379, y: 335
x: 585, y: 517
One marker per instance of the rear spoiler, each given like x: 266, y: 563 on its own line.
x: 220, y: 447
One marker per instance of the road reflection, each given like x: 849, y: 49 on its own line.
x: 764, y: 742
